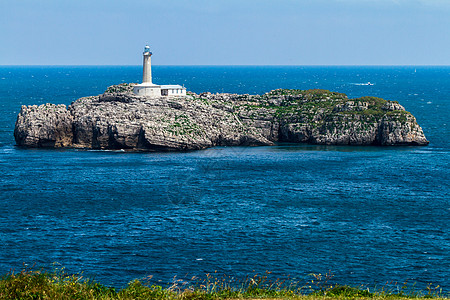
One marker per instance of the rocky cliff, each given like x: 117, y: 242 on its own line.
x: 118, y: 119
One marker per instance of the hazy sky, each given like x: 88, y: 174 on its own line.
x: 229, y: 32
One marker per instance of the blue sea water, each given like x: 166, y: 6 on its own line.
x: 368, y: 214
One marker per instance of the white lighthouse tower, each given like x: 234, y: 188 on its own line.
x: 147, y: 77
x: 148, y: 88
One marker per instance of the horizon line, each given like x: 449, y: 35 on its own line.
x: 222, y: 65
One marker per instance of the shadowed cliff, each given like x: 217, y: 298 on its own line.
x: 118, y: 119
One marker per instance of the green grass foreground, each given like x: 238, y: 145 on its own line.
x: 38, y: 284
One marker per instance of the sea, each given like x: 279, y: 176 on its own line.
x: 367, y: 215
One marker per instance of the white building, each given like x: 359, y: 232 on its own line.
x: 147, y: 88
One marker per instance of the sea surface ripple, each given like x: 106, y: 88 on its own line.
x: 368, y: 214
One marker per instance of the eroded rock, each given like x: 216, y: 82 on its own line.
x: 119, y: 119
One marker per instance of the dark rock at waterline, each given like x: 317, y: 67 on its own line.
x: 122, y: 120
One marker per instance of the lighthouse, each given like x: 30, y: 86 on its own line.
x: 147, y: 73
x: 148, y: 88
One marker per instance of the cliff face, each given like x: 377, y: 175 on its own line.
x: 47, y: 125
x: 118, y: 119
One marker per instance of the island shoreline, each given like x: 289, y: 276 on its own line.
x: 119, y: 119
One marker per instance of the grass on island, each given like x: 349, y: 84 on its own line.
x: 38, y: 284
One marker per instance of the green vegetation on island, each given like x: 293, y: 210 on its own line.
x: 38, y: 284
x: 119, y: 119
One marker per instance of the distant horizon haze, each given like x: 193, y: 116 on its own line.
x: 217, y: 65
x: 201, y: 32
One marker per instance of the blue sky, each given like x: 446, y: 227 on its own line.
x: 230, y: 32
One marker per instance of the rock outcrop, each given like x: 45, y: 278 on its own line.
x: 47, y: 125
x: 118, y: 119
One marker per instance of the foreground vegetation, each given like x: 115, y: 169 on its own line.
x: 38, y: 284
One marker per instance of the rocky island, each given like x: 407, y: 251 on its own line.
x: 120, y: 119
